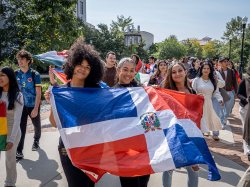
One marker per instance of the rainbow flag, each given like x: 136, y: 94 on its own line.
x: 3, y: 126
x: 60, y: 75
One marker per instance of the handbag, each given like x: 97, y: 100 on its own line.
x: 224, y: 95
x: 3, y: 127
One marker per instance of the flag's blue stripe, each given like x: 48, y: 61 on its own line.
x: 75, y: 105
x: 59, y: 70
x: 189, y: 151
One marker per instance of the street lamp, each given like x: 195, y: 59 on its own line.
x: 230, y: 46
x: 244, y: 22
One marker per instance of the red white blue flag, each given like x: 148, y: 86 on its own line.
x: 52, y: 57
x: 131, y: 131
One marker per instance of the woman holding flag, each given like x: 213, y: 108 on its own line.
x: 84, y: 69
x: 125, y: 78
x: 12, y: 97
x: 177, y: 80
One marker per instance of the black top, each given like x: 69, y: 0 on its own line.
x: 131, y: 84
x: 192, y: 73
x: 242, y: 93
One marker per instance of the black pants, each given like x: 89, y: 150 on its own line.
x: 75, y: 177
x: 23, y: 124
x: 141, y: 181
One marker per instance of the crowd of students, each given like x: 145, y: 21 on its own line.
x: 217, y: 81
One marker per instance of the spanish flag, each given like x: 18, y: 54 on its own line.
x: 3, y: 126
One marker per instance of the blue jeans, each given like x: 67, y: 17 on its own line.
x: 193, y: 177
x: 229, y: 104
x: 219, y: 110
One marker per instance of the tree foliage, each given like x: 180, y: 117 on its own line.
x: 171, y: 48
x: 38, y: 26
x: 234, y: 31
x: 122, y: 23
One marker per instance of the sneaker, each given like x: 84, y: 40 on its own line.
x: 35, y: 146
x: 19, y: 155
x: 216, y: 138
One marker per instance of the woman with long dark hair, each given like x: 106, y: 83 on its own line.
x: 194, y: 70
x: 10, y: 94
x: 205, y: 84
x: 177, y: 80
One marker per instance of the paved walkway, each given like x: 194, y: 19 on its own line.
x: 42, y: 168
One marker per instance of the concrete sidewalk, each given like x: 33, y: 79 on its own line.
x: 43, y: 168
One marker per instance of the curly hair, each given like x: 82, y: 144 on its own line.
x: 78, y: 52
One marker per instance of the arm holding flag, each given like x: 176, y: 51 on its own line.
x: 177, y: 142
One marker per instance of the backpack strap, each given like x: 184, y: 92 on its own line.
x: 33, y: 75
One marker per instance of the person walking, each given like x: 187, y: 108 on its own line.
x: 12, y: 97
x: 125, y: 75
x: 151, y: 67
x: 177, y: 80
x: 231, y: 85
x: 29, y: 82
x: 110, y: 69
x: 194, y: 70
x: 244, y: 109
x: 206, y: 85
x: 160, y: 74
x: 84, y: 69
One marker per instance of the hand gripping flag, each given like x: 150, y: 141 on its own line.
x: 3, y: 126
x: 131, y: 131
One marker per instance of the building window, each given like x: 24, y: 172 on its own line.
x: 81, y: 8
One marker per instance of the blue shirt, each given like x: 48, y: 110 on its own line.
x: 28, y: 86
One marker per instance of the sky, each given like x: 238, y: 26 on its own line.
x: 162, y: 18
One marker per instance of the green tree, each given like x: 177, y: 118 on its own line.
x: 234, y: 31
x: 39, y: 25
x: 171, y: 48
x: 122, y: 23
x: 193, y: 48
x: 211, y: 49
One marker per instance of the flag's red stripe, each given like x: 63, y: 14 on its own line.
x: 61, y: 76
x: 188, y: 106
x: 126, y: 157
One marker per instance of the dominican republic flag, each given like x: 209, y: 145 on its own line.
x: 3, y: 126
x: 131, y: 131
x: 52, y: 57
